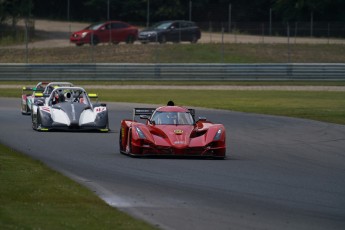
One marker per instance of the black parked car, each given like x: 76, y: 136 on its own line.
x: 171, y: 31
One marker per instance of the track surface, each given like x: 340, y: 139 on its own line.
x: 281, y: 173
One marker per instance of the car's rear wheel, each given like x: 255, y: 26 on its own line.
x: 194, y: 39
x: 130, y: 39
x: 25, y: 109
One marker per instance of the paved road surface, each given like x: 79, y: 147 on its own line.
x: 281, y: 173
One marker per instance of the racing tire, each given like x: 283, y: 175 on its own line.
x: 194, y: 39
x: 130, y: 143
x: 26, y: 111
x: 94, y: 40
x: 36, y: 124
x: 130, y: 39
x: 33, y: 124
x: 120, y: 141
x: 163, y: 39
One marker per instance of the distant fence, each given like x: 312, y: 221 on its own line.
x: 179, y: 72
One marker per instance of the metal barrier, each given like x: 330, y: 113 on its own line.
x: 180, y: 72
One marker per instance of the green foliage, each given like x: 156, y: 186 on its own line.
x: 301, y: 10
x: 35, y: 197
x: 202, y: 10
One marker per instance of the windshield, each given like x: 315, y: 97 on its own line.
x: 172, y: 118
x: 94, y: 26
x: 69, y: 95
x: 162, y: 26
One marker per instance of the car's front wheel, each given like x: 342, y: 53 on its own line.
x: 36, y: 122
x: 120, y: 141
x: 94, y: 40
x: 163, y: 39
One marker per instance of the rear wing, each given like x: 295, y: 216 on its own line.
x: 192, y: 112
x: 143, y: 111
x: 26, y: 89
x: 149, y: 111
x: 93, y: 96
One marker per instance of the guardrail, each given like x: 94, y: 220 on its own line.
x: 180, y: 72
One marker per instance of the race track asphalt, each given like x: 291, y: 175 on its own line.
x: 281, y: 173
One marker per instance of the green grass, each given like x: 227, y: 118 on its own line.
x: 177, y: 53
x: 184, y: 83
x: 34, y: 197
x: 325, y: 106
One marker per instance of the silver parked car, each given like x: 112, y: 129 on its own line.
x: 171, y: 31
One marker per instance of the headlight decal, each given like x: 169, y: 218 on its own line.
x: 218, y: 135
x: 140, y: 133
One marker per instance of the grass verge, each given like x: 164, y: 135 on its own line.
x: 327, y: 106
x: 321, y: 105
x: 34, y: 197
x: 187, y: 83
x: 178, y: 53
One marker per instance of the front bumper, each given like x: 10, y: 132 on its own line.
x: 205, y: 151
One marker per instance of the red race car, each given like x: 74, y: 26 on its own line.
x: 111, y: 31
x: 171, y: 131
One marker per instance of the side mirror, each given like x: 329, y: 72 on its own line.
x: 145, y: 117
x: 39, y: 103
x: 202, y: 119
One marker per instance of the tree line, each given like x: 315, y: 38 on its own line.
x: 157, y: 10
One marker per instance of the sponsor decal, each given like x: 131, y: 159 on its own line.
x: 179, y: 142
x: 178, y: 131
x: 45, y: 109
x: 123, y: 133
x: 73, y: 112
x: 100, y: 109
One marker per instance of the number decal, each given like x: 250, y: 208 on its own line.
x: 100, y: 109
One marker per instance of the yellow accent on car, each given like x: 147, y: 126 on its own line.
x: 92, y: 95
x: 44, y: 129
x: 104, y: 130
x: 38, y: 94
x: 178, y: 131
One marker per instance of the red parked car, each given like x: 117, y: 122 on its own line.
x: 171, y: 131
x: 111, y: 31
